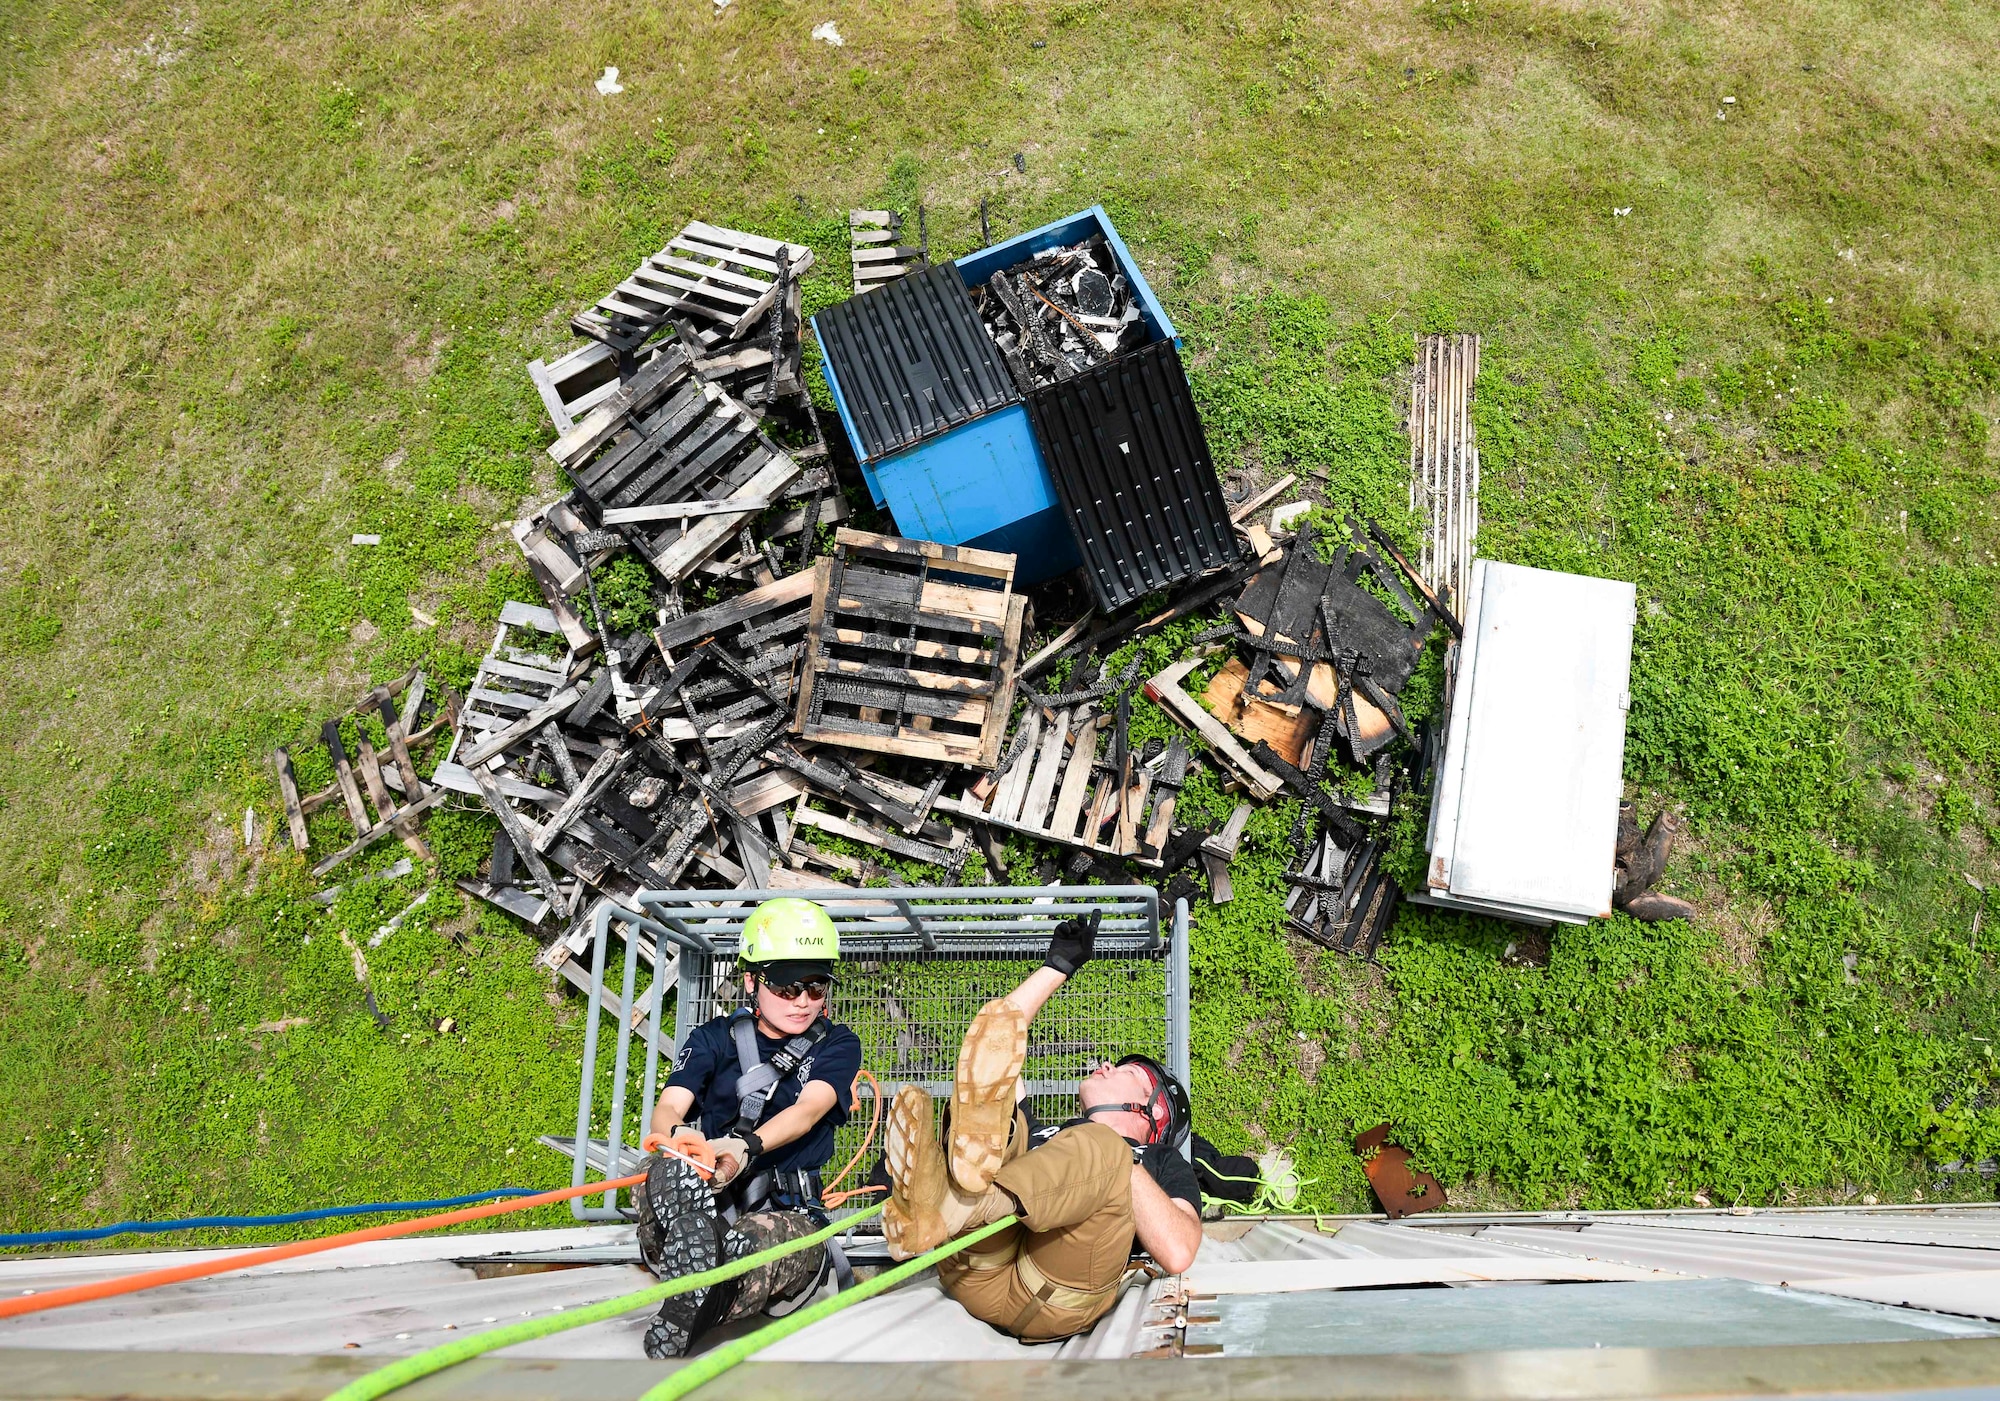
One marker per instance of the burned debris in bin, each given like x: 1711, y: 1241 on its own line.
x: 1061, y: 312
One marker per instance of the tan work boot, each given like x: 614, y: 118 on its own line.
x: 984, y: 1091
x: 925, y: 1209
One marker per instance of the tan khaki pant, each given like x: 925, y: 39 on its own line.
x: 1058, y: 1272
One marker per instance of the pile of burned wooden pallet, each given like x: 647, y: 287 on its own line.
x: 779, y: 704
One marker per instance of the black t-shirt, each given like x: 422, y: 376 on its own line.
x: 1172, y: 1173
x: 708, y: 1069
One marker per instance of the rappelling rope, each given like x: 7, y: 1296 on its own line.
x: 710, y: 1365
x: 176, y: 1274
x: 408, y: 1369
x: 236, y: 1223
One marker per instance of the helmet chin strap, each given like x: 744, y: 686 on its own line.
x: 1142, y: 1111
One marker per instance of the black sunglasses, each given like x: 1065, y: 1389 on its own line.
x: 815, y: 988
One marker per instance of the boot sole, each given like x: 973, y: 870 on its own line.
x: 683, y: 1210
x: 983, y: 1093
x: 913, y: 1223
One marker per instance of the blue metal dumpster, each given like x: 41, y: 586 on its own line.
x: 943, y: 437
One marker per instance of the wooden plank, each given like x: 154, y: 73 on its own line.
x: 524, y: 845
x: 385, y: 806
x: 1289, y: 729
x: 550, y: 681
x: 1033, y: 666
x: 1165, y: 691
x: 909, y: 743
x: 1135, y: 812
x: 1002, y: 703
x: 1014, y: 784
x: 767, y: 790
x: 906, y: 676
x: 961, y: 559
x: 584, y: 791
x: 288, y: 790
x: 678, y: 510
x: 941, y: 599
x: 709, y: 533
x: 375, y: 834
x: 871, y: 836
x: 920, y: 647
x: 1076, y: 779
x: 793, y: 588
x: 343, y: 774
x: 399, y: 748
x: 522, y: 727
x: 1263, y: 498
x: 1035, y: 811
x: 516, y: 614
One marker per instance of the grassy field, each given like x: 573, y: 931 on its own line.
x: 274, y: 271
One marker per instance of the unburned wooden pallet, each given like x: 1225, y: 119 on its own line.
x: 913, y: 648
x: 720, y: 275
x: 513, y: 686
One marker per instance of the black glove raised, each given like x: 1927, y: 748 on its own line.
x: 1071, y: 945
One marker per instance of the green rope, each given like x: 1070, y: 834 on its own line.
x: 406, y: 1370
x: 710, y: 1365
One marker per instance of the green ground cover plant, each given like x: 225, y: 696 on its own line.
x: 275, y: 275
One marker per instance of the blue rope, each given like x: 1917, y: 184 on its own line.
x: 193, y: 1223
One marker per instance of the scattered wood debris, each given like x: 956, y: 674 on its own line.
x: 385, y: 784
x: 788, y: 702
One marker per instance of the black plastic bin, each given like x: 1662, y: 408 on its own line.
x: 1132, y: 468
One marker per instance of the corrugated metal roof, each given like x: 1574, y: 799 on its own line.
x: 1131, y: 464
x: 398, y: 1297
x: 1767, y: 1259
x: 911, y: 360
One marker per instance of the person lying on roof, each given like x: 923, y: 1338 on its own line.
x: 1085, y: 1190
x: 762, y: 1089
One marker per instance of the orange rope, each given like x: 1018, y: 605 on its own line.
x: 874, y: 1121
x: 176, y: 1274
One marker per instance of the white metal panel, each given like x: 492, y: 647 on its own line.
x: 1451, y: 768
x: 1542, y: 698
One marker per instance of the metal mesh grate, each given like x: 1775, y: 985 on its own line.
x: 917, y: 965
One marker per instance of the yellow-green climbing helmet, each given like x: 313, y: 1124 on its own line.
x: 787, y: 929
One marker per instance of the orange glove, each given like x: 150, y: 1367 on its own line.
x: 684, y: 1142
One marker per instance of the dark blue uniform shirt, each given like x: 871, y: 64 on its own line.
x: 708, y: 1070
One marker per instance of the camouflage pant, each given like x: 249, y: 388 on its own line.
x: 780, y: 1280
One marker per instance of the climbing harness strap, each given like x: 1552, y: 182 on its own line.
x: 757, y: 1077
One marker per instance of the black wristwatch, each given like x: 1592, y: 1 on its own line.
x: 752, y: 1142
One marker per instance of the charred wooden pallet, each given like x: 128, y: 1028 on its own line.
x: 913, y: 647
x: 878, y: 257
x: 384, y: 780
x: 1059, y: 788
x: 1331, y: 644
x: 723, y: 276
x: 1340, y: 896
x: 674, y: 464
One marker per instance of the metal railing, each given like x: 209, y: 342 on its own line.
x: 916, y: 964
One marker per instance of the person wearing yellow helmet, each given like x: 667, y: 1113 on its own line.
x: 766, y: 1086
